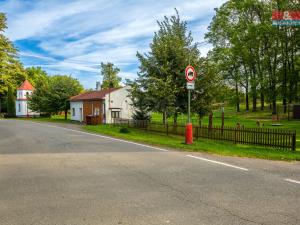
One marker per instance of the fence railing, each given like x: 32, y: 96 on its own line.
x: 275, y: 138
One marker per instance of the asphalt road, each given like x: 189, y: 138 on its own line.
x: 57, y: 176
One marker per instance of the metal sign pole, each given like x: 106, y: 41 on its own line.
x: 189, y: 106
x: 190, y: 75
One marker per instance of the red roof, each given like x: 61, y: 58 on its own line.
x: 92, y: 95
x: 26, y: 86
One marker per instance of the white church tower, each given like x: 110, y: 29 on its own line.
x: 23, y: 92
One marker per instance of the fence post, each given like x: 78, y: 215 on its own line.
x: 197, y: 132
x: 294, y: 141
x: 235, y: 135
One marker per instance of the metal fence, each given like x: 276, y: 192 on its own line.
x: 275, y: 138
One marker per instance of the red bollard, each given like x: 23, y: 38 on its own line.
x: 189, y: 134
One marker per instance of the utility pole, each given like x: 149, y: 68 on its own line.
x: 109, y: 84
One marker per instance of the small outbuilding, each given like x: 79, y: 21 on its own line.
x: 104, y: 105
x: 23, y: 94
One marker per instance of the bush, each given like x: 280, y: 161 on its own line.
x: 124, y: 130
x: 45, y: 115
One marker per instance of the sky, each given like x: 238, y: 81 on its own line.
x: 74, y: 37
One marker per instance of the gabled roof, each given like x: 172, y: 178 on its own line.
x: 26, y: 86
x: 92, y: 95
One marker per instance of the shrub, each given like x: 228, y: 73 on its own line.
x: 124, y: 130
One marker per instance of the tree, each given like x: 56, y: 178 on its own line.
x: 264, y: 55
x: 11, y: 70
x: 140, y: 103
x: 110, y: 75
x: 161, y: 76
x: 36, y: 75
x: 11, y: 108
x: 54, y: 95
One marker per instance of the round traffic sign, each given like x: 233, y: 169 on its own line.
x: 190, y: 73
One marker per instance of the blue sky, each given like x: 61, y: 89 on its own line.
x: 74, y: 37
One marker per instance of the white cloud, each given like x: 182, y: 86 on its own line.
x: 84, y: 33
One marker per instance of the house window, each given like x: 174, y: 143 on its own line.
x: 19, y: 107
x: 115, y: 114
x: 73, y: 111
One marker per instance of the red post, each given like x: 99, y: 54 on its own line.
x: 189, y: 134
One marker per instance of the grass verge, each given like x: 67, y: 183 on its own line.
x: 202, y: 145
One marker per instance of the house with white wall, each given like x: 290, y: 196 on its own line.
x: 23, y: 93
x: 107, y: 104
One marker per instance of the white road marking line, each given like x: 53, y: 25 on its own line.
x: 293, y: 181
x: 110, y: 138
x: 217, y: 162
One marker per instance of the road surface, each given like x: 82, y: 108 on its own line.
x: 51, y: 175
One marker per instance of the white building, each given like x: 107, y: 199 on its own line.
x: 23, y: 92
x: 107, y: 104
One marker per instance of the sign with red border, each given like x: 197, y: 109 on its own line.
x: 190, y: 73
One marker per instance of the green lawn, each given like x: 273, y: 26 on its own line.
x: 247, y: 119
x: 202, y: 145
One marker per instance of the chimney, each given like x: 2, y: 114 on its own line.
x: 98, y: 86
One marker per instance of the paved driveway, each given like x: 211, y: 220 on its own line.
x: 59, y: 176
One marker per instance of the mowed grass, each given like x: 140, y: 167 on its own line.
x: 246, y: 119
x: 201, y: 145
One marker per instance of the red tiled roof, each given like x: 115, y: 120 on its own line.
x: 26, y: 86
x: 92, y: 95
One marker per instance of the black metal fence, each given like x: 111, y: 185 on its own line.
x: 275, y: 138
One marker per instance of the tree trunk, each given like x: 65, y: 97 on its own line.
x: 247, y: 98
x: 199, y: 118
x: 254, y: 101
x: 262, y: 101
x: 247, y: 88
x: 175, y: 118
x: 165, y: 118
x: 274, y: 106
x: 66, y: 114
x: 284, y: 86
x: 237, y: 97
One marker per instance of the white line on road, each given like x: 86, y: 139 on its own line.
x: 102, y: 136
x: 147, y: 146
x: 293, y: 181
x: 217, y: 162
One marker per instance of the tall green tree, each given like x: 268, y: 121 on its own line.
x: 11, y: 70
x: 110, y: 75
x: 54, y: 95
x: 140, y: 102
x: 11, y: 108
x: 36, y: 75
x: 161, y: 74
x: 264, y: 55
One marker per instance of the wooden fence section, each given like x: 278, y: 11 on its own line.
x: 275, y: 138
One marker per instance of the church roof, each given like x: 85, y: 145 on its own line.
x: 93, y: 95
x: 26, y: 86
